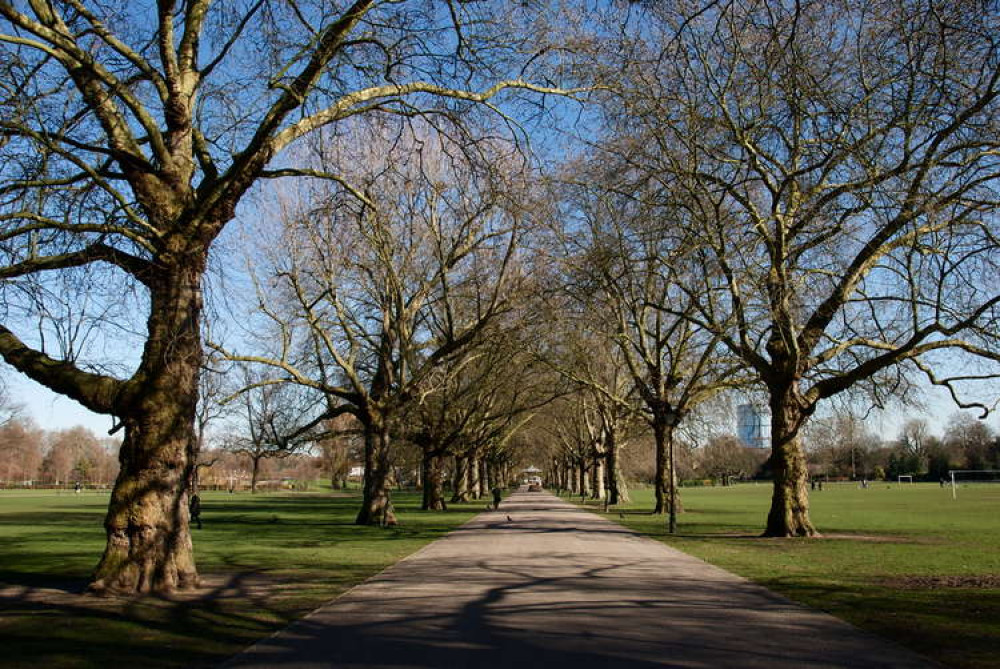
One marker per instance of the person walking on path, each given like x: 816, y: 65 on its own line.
x: 497, y: 497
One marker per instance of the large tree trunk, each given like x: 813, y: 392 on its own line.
x: 660, y: 477
x: 583, y: 478
x: 617, y: 492
x: 597, y: 481
x: 485, y: 485
x: 665, y: 474
x: 433, y: 484
x: 622, y: 487
x: 461, y: 481
x: 475, y: 480
x: 254, y: 473
x: 148, y: 540
x: 789, y: 514
x: 375, y: 506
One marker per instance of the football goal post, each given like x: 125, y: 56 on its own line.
x: 904, y: 478
x: 966, y: 476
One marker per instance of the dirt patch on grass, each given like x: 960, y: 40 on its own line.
x: 873, y: 538
x: 973, y: 581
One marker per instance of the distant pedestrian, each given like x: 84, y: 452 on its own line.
x: 812, y: 484
x: 194, y: 506
x: 497, y: 497
x: 77, y: 487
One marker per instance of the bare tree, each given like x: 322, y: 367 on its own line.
x: 973, y: 441
x: 130, y: 135
x: 621, y: 254
x: 842, y: 444
x: 725, y: 457
x: 20, y: 451
x: 385, y: 277
x: 339, y: 448
x: 471, y: 407
x: 275, y: 422
x: 837, y: 163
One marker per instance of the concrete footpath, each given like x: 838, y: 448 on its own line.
x: 541, y: 583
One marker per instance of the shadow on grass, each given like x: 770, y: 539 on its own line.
x: 191, y: 629
x: 956, y: 626
x: 264, y: 561
x: 53, y: 518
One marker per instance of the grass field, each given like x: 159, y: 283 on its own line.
x: 906, y: 562
x: 264, y: 559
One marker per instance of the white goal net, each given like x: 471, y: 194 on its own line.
x: 972, y: 476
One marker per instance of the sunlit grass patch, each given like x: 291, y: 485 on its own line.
x: 264, y: 560
x: 905, y: 561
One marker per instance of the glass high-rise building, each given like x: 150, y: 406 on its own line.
x: 752, y: 426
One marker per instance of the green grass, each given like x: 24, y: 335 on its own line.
x: 906, y: 562
x: 266, y: 559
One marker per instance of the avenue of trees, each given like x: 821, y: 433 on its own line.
x: 445, y: 240
x: 132, y: 132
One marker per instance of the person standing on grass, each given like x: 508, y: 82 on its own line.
x: 194, y: 506
x: 497, y: 497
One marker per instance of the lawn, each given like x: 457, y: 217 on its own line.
x: 904, y: 561
x: 264, y: 559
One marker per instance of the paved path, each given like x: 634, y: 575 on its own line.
x: 558, y: 587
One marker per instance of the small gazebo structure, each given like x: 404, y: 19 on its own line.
x: 530, y: 472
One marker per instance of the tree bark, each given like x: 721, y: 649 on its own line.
x: 461, y: 481
x: 660, y: 477
x: 148, y: 539
x: 597, y: 480
x: 433, y: 498
x: 665, y: 476
x: 615, y: 479
x: 789, y: 514
x: 254, y: 473
x: 375, y: 506
x: 475, y: 483
x: 484, y: 478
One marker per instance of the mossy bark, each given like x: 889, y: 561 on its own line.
x: 148, y: 540
x: 461, y: 481
x: 376, y: 508
x: 597, y: 479
x: 475, y: 484
x: 433, y: 493
x: 789, y: 514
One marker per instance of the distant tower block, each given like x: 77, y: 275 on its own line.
x: 752, y: 426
